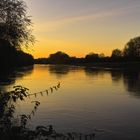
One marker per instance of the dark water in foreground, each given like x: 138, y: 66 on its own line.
x: 107, y: 101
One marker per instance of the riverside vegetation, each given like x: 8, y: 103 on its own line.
x: 13, y: 128
x: 129, y: 57
x: 15, y: 34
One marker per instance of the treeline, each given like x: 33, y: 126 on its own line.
x: 130, y: 53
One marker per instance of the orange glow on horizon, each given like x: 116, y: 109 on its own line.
x: 43, y: 50
x: 80, y: 31
x: 44, y: 53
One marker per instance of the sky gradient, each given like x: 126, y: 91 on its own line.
x: 79, y: 27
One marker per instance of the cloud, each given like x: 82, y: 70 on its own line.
x: 61, y: 21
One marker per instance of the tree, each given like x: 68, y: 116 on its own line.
x: 15, y: 24
x: 132, y: 48
x: 101, y: 55
x: 15, y: 32
x: 92, y: 57
x: 58, y: 57
x: 116, y: 53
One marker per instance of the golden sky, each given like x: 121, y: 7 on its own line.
x: 79, y: 27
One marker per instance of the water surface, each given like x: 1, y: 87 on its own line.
x: 89, y: 99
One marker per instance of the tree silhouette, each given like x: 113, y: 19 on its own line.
x: 58, y: 57
x: 15, y: 24
x: 132, y: 48
x: 116, y: 53
x: 15, y: 32
x: 92, y: 57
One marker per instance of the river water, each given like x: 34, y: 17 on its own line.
x: 105, y: 101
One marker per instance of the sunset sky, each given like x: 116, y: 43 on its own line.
x: 78, y: 27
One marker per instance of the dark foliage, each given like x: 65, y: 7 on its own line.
x: 9, y: 56
x: 116, y: 53
x: 9, y: 130
x: 15, y: 32
x: 15, y: 23
x: 92, y: 57
x: 128, y: 58
x: 132, y: 49
x: 58, y: 57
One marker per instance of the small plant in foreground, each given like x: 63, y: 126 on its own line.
x: 9, y: 130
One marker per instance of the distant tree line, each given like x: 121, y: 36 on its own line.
x: 130, y: 53
x: 15, y: 33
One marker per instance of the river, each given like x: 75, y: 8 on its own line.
x: 89, y: 99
